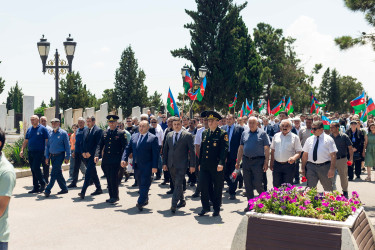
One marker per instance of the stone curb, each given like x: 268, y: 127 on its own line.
x: 27, y: 172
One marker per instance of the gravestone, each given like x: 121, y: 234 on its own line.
x: 103, y: 113
x: 49, y: 113
x: 136, y: 112
x: 68, y: 118
x: 89, y: 112
x: 10, y: 123
x: 153, y: 110
x: 98, y: 117
x: 28, y: 110
x: 77, y: 113
x: 11, y: 112
x: 3, y: 116
x: 119, y: 114
x: 144, y: 110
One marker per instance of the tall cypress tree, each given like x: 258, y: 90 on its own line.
x: 2, y: 84
x: 130, y: 90
x: 334, y: 91
x: 15, y: 99
x: 213, y: 44
x: 324, y: 86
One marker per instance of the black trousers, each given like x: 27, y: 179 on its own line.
x: 357, y: 169
x: 253, y: 176
x: 45, y: 169
x: 111, y: 175
x: 228, y: 170
x: 211, y: 183
x: 282, y: 173
x: 78, y: 159
x: 192, y: 177
x: 167, y: 176
x: 91, y: 175
x: 35, y: 159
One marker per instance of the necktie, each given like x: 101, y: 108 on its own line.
x: 315, y: 152
x: 229, y: 128
x: 140, y: 140
x: 175, y: 138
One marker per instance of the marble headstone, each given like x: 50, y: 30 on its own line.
x: 119, y: 114
x: 28, y: 110
x: 68, y: 118
x: 103, y: 112
x: 89, y: 112
x: 144, y: 110
x: 3, y: 116
x: 77, y: 113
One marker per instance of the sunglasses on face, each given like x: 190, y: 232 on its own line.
x: 314, y: 129
x: 153, y: 122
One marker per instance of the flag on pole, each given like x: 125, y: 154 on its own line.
x: 191, y: 95
x: 188, y: 83
x: 370, y: 110
x: 248, y: 108
x: 268, y: 107
x: 261, y: 106
x: 289, y: 106
x: 283, y: 100
x: 202, y: 89
x: 326, y: 122
x: 242, y: 113
x: 233, y: 104
x: 276, y: 110
x: 171, y: 104
x: 359, y: 103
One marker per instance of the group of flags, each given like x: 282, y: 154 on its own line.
x: 360, y: 107
x: 282, y: 106
x: 188, y: 89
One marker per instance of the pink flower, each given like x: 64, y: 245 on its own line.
x: 356, y: 202
x: 354, y: 209
x: 307, y: 202
x: 274, y: 195
x: 331, y: 208
x: 251, y: 206
x: 260, y: 205
x: 319, y: 209
x: 326, y: 204
x: 302, y: 208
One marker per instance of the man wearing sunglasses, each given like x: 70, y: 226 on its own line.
x: 319, y: 157
x: 130, y: 127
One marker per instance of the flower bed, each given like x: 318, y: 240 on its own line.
x: 297, y: 201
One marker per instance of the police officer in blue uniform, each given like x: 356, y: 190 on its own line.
x: 110, y: 149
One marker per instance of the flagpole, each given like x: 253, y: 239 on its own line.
x: 195, y: 98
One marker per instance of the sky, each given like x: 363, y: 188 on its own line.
x: 103, y: 29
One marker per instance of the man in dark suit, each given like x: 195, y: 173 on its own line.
x: 178, y: 148
x: 111, y: 146
x: 234, y: 136
x: 268, y: 128
x: 145, y: 149
x: 91, y: 139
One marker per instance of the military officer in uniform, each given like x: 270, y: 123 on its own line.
x: 110, y: 148
x: 214, y: 148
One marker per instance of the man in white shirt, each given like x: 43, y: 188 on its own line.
x: 285, y: 150
x: 160, y: 135
x: 319, y: 157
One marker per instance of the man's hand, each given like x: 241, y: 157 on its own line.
x: 96, y: 159
x: 88, y: 155
x: 47, y: 161
x: 199, y: 167
x: 331, y: 173
x: 165, y: 168
x: 73, y: 155
x: 354, y: 149
x: 131, y: 156
x: 220, y: 168
x: 66, y: 161
x: 265, y: 167
x: 363, y: 154
x: 124, y: 164
x: 351, y: 160
x: 271, y: 166
x: 84, y: 155
x: 21, y: 154
x: 192, y: 170
x: 303, y: 173
x: 291, y: 160
x: 154, y: 170
x: 237, y: 166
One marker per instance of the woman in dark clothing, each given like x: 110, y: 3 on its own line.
x: 357, y: 136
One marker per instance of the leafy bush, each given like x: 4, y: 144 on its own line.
x: 12, y: 153
x: 292, y: 200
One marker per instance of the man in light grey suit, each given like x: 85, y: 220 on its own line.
x: 177, y: 153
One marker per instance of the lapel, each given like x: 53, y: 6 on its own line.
x: 179, y: 138
x: 143, y: 140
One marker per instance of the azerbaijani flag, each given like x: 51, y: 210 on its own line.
x: 202, y: 89
x: 289, y: 106
x: 370, y: 110
x: 268, y: 107
x: 359, y: 103
x: 242, y: 113
x: 233, y: 104
x: 315, y: 104
x: 191, y: 95
x: 248, y: 108
x: 326, y: 122
x: 276, y: 110
x: 188, y: 83
x: 261, y: 106
x: 283, y: 100
x: 171, y: 104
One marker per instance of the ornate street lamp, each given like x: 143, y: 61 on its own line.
x: 57, y: 66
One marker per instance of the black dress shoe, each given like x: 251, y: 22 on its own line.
x: 139, y: 206
x: 192, y: 184
x: 97, y: 192
x: 146, y: 203
x: 173, y: 209
x: 113, y: 200
x: 164, y: 183
x: 41, y: 189
x: 216, y: 213
x: 107, y: 200
x: 135, y: 185
x: 232, y: 197
x: 127, y: 175
x: 203, y: 212
x: 33, y: 191
x: 46, y: 194
x: 72, y: 185
x: 182, y: 203
x: 195, y: 195
x: 81, y: 195
x: 170, y: 192
x: 103, y: 177
x: 63, y: 192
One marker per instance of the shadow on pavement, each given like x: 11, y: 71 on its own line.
x: 133, y: 194
x: 87, y: 199
x: 24, y: 195
x: 226, y: 200
x: 103, y: 205
x: 208, y: 220
x: 41, y: 197
x: 168, y: 213
x: 135, y: 211
x: 165, y: 196
x: 28, y: 187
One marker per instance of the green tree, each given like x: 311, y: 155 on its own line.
x: 130, y: 90
x: 324, y: 87
x: 51, y: 102
x: 350, y: 88
x: 213, y: 43
x: 73, y: 93
x: 368, y: 8
x: 334, y: 94
x: 15, y: 99
x: 109, y: 97
x: 2, y: 84
x: 155, y: 100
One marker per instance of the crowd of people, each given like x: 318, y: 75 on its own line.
x: 209, y: 149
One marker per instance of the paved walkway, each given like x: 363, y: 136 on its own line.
x: 66, y: 222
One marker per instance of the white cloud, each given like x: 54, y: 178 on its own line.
x: 314, y: 47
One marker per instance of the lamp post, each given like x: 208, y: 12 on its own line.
x: 57, y: 66
x: 202, y: 71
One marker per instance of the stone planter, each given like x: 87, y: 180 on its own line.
x: 270, y: 231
